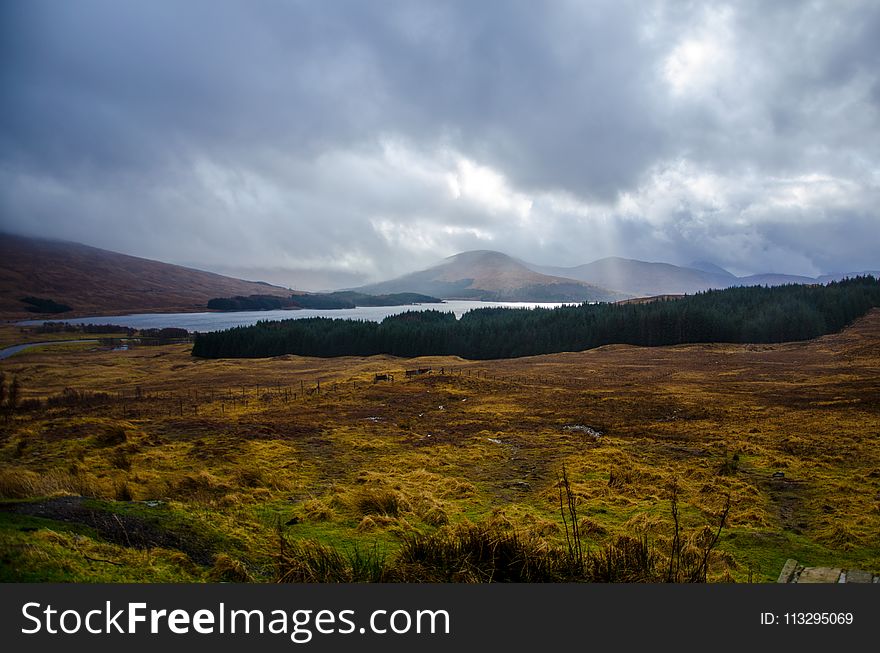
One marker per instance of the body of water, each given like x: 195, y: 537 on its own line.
x: 14, y: 349
x: 214, y: 321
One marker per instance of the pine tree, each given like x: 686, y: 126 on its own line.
x: 756, y: 314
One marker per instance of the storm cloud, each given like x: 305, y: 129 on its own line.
x: 325, y: 144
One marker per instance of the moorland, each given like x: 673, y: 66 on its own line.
x: 149, y: 464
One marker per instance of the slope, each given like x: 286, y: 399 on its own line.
x: 94, y: 281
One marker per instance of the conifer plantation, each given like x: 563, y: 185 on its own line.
x: 735, y: 315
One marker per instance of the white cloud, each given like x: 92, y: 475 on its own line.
x: 372, y: 141
x: 487, y: 189
x: 703, y: 58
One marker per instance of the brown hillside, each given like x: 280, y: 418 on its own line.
x: 491, y: 276
x: 99, y: 282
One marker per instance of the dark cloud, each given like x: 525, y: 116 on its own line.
x: 324, y: 143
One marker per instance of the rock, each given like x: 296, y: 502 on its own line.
x: 819, y: 575
x: 586, y: 430
x: 859, y: 576
x: 788, y: 570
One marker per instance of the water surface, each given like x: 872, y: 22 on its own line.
x: 217, y: 321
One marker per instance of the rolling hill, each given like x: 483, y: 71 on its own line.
x: 828, y: 278
x: 640, y: 278
x: 643, y: 279
x: 491, y: 276
x: 55, y: 275
x: 94, y: 281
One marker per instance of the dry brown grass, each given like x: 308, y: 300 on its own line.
x: 361, y: 460
x: 18, y: 483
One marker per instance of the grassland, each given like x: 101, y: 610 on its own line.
x: 150, y: 465
x: 19, y: 335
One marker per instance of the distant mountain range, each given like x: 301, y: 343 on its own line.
x: 489, y: 275
x: 639, y: 279
x: 642, y: 279
x: 54, y: 275
x: 492, y: 276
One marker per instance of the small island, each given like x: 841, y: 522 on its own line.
x: 318, y: 301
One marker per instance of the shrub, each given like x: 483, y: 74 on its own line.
x: 110, y: 436
x: 317, y: 510
x: 200, y: 487
x: 307, y: 561
x: 120, y: 460
x: 379, y: 501
x: 123, y: 492
x: 229, y: 570
x: 249, y: 477
x: 495, y: 551
x: 25, y: 484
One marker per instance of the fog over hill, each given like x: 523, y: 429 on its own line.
x: 639, y: 278
x: 491, y: 276
x: 642, y: 279
x: 96, y: 281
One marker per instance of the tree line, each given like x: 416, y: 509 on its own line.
x: 67, y: 327
x: 43, y: 305
x: 743, y: 314
x: 318, y: 301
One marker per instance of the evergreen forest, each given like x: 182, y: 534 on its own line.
x: 737, y: 315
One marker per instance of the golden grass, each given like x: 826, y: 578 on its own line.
x: 246, y: 445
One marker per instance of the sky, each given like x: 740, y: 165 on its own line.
x: 326, y: 144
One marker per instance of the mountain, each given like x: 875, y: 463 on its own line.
x: 708, y: 266
x: 641, y: 279
x: 772, y: 279
x: 91, y: 281
x: 828, y: 278
x: 491, y: 276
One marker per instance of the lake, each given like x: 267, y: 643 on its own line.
x: 14, y: 349
x: 215, y: 321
